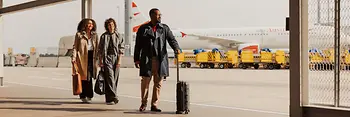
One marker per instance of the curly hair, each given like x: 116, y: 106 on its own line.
x: 109, y: 20
x: 83, y: 24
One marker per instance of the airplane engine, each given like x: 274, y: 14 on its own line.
x: 249, y: 46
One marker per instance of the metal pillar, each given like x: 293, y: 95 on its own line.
x: 128, y: 27
x: 295, y: 109
x: 336, y: 52
x: 1, y: 52
x: 83, y: 9
x: 304, y: 53
x: 89, y: 8
x: 86, y: 9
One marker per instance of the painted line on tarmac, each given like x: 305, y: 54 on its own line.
x: 48, y: 78
x: 59, y: 74
x: 38, y: 86
x: 218, y: 106
x: 136, y: 97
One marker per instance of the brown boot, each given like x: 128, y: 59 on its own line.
x: 142, y: 107
x: 155, y: 109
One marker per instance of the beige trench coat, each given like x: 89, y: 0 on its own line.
x: 80, y: 53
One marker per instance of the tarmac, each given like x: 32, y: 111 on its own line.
x: 47, y: 92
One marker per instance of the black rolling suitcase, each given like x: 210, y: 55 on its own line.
x: 182, y: 93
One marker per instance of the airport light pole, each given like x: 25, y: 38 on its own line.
x: 118, y: 13
x: 127, y: 30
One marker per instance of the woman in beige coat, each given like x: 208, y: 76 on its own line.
x: 85, y: 56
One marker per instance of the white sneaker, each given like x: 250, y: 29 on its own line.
x: 88, y: 100
x: 110, y: 103
x: 84, y: 100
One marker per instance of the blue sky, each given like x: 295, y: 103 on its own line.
x: 43, y: 27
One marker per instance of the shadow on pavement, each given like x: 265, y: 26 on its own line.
x: 149, y: 112
x: 62, y: 109
x: 44, y: 102
x: 37, y: 98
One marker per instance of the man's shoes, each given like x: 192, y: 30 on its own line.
x: 142, y: 107
x: 155, y: 109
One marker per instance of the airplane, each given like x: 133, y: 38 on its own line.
x: 252, y: 38
x: 320, y: 36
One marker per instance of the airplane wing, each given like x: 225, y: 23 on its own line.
x: 217, y: 40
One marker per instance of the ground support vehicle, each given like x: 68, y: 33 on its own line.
x: 185, y: 59
x: 213, y: 59
x: 232, y: 59
x: 267, y: 60
x: 321, y: 60
x: 282, y: 59
x: 248, y: 60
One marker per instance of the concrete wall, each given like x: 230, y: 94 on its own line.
x: 47, y: 62
x: 65, y: 62
x: 32, y: 61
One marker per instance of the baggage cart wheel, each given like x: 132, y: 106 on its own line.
x: 201, y: 65
x: 221, y: 66
x: 183, y: 65
x: 270, y: 66
x: 265, y: 66
x: 188, y: 65
x: 240, y: 65
x: 256, y: 66
x: 316, y: 67
x: 244, y: 66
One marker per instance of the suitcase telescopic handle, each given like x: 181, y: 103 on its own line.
x: 177, y: 66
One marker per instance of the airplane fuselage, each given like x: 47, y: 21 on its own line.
x: 272, y: 38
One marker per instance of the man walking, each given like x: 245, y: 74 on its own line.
x: 151, y: 56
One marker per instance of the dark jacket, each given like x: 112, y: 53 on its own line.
x: 143, y: 48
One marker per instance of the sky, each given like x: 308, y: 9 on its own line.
x: 43, y: 27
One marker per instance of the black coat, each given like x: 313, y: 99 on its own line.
x: 143, y: 48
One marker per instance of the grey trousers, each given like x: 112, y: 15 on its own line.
x: 111, y: 77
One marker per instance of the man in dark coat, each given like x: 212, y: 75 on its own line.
x: 151, y: 56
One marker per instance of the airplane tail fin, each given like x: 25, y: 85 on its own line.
x: 138, y: 18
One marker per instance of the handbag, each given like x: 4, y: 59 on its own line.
x: 100, y: 83
x: 76, y: 80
